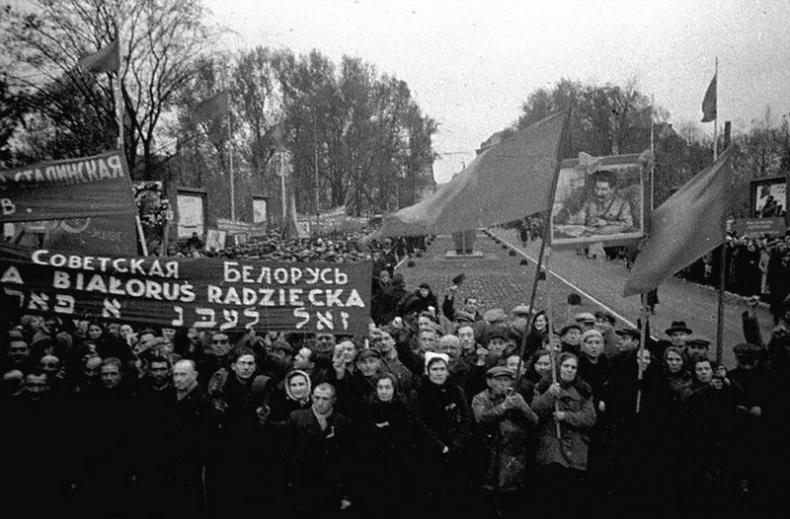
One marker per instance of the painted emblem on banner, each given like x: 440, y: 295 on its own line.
x: 75, y: 225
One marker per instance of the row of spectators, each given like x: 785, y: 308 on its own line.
x: 753, y: 267
x: 338, y: 247
x: 442, y: 409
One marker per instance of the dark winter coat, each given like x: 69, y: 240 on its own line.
x: 445, y: 414
x: 571, y: 449
x: 508, y: 441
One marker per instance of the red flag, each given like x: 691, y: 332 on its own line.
x: 509, y: 180
x: 709, y: 102
x: 107, y: 59
x: 684, y: 228
x: 212, y: 107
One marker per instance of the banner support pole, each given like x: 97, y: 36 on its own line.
x: 641, y: 350
x: 143, y: 245
x: 544, y: 239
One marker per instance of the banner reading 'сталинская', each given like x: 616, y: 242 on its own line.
x: 201, y: 293
x: 63, y: 189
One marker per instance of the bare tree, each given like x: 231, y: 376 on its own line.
x: 160, y: 41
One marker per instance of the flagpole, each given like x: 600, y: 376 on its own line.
x: 723, y: 252
x: 315, y: 164
x: 549, y: 337
x: 544, y: 239
x: 653, y: 151
x: 640, y: 351
x: 230, y: 170
x: 119, y: 110
x: 716, y: 118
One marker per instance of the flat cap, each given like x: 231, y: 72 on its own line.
x: 745, y: 349
x: 500, y: 371
x: 282, y: 345
x: 495, y: 315
x: 700, y: 342
x: 520, y: 310
x: 367, y: 353
x: 570, y: 326
x: 629, y: 332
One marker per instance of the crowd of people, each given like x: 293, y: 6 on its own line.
x: 442, y: 409
x: 338, y: 247
x: 754, y: 267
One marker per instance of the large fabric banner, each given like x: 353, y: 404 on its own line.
x: 114, y: 235
x: 506, y: 182
x: 63, y: 189
x: 201, y: 293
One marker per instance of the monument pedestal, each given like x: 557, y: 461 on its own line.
x: 464, y: 242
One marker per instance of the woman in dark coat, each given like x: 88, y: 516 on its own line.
x: 563, y: 454
x: 674, y: 385
x: 387, y: 447
x: 536, y: 367
x: 709, y: 417
x: 537, y: 333
x: 292, y: 395
x: 444, y: 413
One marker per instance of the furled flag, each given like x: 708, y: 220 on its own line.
x: 212, y: 107
x: 684, y: 228
x: 709, y: 103
x: 107, y: 59
x: 507, y: 181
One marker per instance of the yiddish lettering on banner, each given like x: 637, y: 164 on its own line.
x: 201, y: 293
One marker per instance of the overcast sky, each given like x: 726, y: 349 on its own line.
x: 470, y: 65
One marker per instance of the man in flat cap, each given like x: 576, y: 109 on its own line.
x: 628, y: 339
x: 506, y: 421
x: 697, y: 348
x: 585, y: 320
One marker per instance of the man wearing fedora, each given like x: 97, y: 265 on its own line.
x: 678, y: 333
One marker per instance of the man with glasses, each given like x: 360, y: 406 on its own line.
x: 217, y: 356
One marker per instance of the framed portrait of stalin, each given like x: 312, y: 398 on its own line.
x: 599, y: 199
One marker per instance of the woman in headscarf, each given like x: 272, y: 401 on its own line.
x: 444, y: 413
x: 567, y: 416
x: 387, y: 445
x: 674, y: 385
x: 295, y: 395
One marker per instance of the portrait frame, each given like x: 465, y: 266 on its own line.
x: 761, y: 188
x: 576, y: 188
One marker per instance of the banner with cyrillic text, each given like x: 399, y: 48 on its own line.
x: 177, y: 292
x: 64, y: 189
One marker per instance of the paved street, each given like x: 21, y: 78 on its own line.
x: 499, y: 280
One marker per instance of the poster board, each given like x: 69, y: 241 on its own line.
x: 769, y: 197
x: 259, y: 210
x: 191, y: 211
x: 599, y: 200
x: 215, y: 239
